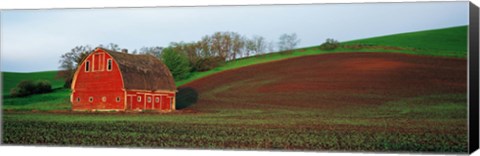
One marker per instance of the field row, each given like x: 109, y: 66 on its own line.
x: 178, y: 135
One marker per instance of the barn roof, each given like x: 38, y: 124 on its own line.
x: 143, y: 72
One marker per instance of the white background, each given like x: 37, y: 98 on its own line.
x: 86, y: 151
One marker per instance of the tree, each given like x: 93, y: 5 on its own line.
x: 249, y: 47
x: 256, y: 45
x: 288, y: 42
x: 260, y: 45
x: 271, y: 47
x: 329, y: 44
x: 111, y: 46
x: 177, y: 62
x: 154, y: 51
x: 189, y: 49
x: 205, y: 47
x: 238, y: 44
x: 29, y: 87
x: 70, y: 61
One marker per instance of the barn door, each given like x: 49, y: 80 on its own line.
x: 149, y: 104
x: 129, y: 102
x: 157, y: 101
x: 165, y: 103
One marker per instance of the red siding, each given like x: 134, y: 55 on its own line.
x: 156, y: 102
x: 163, y: 103
x: 98, y: 83
x: 105, y: 86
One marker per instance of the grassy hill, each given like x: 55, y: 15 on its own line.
x: 451, y: 42
x: 11, y: 79
x: 349, y: 101
x: 448, y: 42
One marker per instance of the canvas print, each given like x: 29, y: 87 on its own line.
x: 375, y: 77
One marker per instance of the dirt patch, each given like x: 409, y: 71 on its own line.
x: 332, y: 81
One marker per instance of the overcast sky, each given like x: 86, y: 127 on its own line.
x: 34, y: 40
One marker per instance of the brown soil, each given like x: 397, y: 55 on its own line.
x: 331, y: 81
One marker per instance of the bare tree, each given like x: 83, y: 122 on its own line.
x: 271, y: 47
x: 69, y: 62
x: 110, y: 46
x: 238, y: 44
x: 288, y: 42
x: 188, y: 49
x: 260, y: 45
x: 154, y: 51
x: 255, y: 46
x: 205, y: 47
x: 135, y: 51
x: 249, y: 47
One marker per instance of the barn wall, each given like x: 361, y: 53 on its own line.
x: 140, y: 100
x: 102, y: 85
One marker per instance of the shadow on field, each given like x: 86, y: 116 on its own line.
x: 186, y: 97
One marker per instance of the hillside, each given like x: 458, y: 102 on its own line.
x: 331, y: 80
x: 11, y: 79
x: 447, y: 42
x: 439, y: 42
x: 340, y: 100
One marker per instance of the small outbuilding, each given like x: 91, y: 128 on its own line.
x: 117, y: 81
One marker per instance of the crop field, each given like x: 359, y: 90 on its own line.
x: 336, y: 102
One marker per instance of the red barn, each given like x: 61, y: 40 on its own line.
x: 117, y: 81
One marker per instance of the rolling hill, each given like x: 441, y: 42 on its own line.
x: 11, y: 79
x: 446, y: 42
x: 341, y: 100
x: 450, y: 42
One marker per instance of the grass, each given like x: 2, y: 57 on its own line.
x: 11, y: 79
x: 57, y: 100
x: 299, y: 129
x: 447, y: 42
x: 450, y: 42
x: 430, y: 123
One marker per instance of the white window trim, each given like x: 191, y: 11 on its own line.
x: 139, y: 98
x: 90, y: 99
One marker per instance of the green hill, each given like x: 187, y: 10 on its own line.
x: 450, y: 42
x: 447, y: 42
x: 11, y: 79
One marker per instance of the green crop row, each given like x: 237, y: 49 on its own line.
x: 177, y: 135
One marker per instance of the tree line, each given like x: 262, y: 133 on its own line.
x: 184, y: 58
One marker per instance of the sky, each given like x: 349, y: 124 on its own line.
x: 34, y: 40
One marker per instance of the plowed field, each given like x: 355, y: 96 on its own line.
x: 335, y: 102
x: 329, y: 82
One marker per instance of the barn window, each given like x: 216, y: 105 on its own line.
x: 118, y: 99
x: 104, y: 99
x: 139, y: 98
x: 87, y: 66
x: 149, y: 99
x: 157, y: 99
x: 90, y: 99
x: 109, y: 64
x: 78, y: 99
